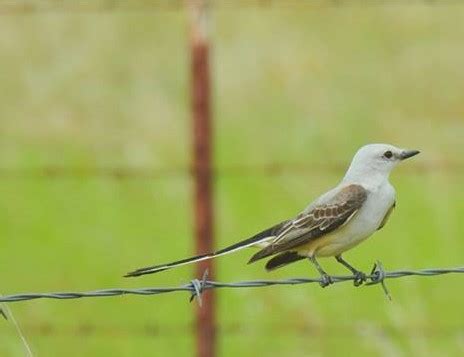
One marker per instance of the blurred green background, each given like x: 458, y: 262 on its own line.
x: 296, y: 86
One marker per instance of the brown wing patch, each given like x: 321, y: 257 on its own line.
x: 321, y: 220
x: 387, y: 216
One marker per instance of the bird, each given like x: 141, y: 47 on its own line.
x: 335, y: 222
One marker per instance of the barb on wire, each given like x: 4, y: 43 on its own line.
x: 196, y: 287
x: 378, y: 275
x: 6, y: 312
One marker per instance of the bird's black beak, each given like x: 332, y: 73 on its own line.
x: 406, y: 154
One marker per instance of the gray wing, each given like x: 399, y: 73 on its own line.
x: 316, y: 222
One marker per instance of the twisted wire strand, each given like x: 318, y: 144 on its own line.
x: 196, y: 286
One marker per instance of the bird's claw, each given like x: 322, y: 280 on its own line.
x: 359, y: 278
x: 326, y: 280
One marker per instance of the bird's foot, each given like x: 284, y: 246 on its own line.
x: 359, y: 278
x: 326, y: 280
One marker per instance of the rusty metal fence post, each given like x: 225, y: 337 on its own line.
x: 202, y: 169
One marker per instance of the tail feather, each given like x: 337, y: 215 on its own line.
x: 263, y: 253
x: 162, y: 267
x: 256, y: 239
x: 283, y: 259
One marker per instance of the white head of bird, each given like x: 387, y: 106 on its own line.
x: 375, y: 162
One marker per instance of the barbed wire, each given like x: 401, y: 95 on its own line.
x: 197, y: 286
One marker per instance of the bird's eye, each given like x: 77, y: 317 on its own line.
x: 388, y: 154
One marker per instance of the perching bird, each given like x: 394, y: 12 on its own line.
x: 335, y: 222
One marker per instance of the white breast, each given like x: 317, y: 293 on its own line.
x: 379, y: 200
x: 375, y: 208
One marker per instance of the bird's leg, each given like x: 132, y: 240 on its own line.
x: 325, y: 278
x: 359, y: 276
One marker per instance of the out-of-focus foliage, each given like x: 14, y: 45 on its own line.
x: 294, y: 86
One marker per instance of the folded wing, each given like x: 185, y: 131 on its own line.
x: 313, y: 224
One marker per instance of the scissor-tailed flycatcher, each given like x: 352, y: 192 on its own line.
x: 335, y: 222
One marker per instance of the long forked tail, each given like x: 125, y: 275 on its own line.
x: 261, y: 237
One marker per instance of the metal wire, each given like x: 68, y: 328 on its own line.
x: 196, y: 286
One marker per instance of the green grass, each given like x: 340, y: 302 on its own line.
x: 293, y: 85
